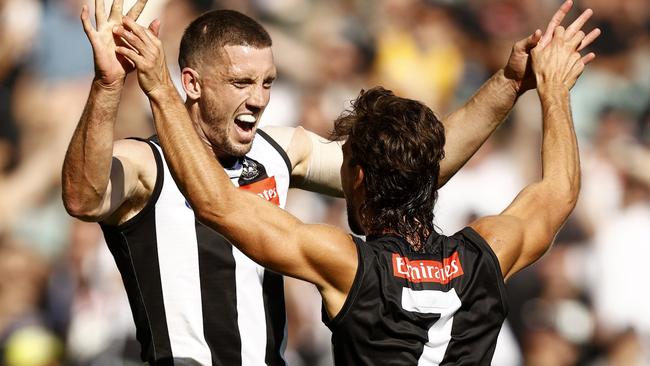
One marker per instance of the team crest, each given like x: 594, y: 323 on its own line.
x: 250, y: 170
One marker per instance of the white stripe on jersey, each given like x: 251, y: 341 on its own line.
x: 433, y: 302
x: 178, y: 258
x: 251, y: 318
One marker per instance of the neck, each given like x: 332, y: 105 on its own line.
x: 415, y: 240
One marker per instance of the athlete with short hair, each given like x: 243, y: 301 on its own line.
x: 408, y: 295
x: 195, y: 298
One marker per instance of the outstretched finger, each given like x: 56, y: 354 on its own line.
x: 116, y: 10
x: 100, y: 13
x: 136, y: 9
x: 589, y: 38
x: 136, y: 28
x: 578, y: 23
x: 555, y: 21
x: 85, y: 22
x: 154, y: 27
x: 588, y: 58
x: 577, y: 39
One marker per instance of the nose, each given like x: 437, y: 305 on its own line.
x: 258, y: 98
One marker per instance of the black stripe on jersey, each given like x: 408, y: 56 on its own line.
x: 155, y: 194
x: 478, y: 239
x: 275, y: 316
x: 138, y: 265
x: 333, y: 323
x: 277, y: 146
x: 219, y: 296
x: 481, y: 297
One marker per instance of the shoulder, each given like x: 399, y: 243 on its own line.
x: 282, y: 135
x: 295, y: 141
x: 502, y: 233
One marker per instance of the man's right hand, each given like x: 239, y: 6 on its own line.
x: 110, y: 67
x: 558, y: 64
x: 518, y: 68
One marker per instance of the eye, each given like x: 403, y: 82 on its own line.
x: 242, y: 83
x: 268, y: 83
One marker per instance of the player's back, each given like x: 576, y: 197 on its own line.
x: 445, y: 306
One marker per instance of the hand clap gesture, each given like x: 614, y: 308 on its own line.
x: 110, y: 68
x: 559, y: 64
x: 145, y: 50
x: 519, y: 69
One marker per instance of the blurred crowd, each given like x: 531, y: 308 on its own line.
x: 585, y: 302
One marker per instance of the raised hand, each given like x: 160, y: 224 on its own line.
x: 519, y: 69
x: 110, y: 68
x: 558, y: 64
x: 145, y: 51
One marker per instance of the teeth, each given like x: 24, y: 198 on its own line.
x: 248, y: 118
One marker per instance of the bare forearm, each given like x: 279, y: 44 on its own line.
x: 87, y: 164
x: 560, y: 158
x: 467, y: 128
x: 194, y: 167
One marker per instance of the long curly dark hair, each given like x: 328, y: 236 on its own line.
x: 399, y: 143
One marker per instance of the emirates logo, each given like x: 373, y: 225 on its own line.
x: 427, y: 270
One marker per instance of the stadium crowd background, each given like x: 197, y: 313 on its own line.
x: 586, y: 302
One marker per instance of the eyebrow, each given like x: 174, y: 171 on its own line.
x: 243, y: 79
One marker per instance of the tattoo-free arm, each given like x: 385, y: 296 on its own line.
x: 99, y: 175
x: 320, y: 254
x: 316, y: 161
x: 95, y: 183
x: 467, y: 128
x: 525, y: 230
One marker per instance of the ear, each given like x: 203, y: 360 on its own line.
x: 191, y: 83
x: 359, y: 176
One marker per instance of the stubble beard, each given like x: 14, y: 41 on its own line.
x: 219, y: 139
x: 223, y: 144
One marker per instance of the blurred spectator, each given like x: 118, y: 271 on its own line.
x: 584, y: 303
x: 24, y: 337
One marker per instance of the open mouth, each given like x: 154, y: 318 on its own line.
x: 245, y: 123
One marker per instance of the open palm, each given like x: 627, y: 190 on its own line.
x: 110, y: 67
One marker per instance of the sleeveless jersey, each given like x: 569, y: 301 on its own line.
x: 443, y: 307
x: 195, y: 298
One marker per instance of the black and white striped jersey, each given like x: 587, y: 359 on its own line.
x: 195, y: 298
x: 442, y: 307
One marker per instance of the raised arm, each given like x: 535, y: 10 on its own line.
x: 320, y: 254
x: 97, y: 176
x: 467, y: 128
x: 524, y: 231
x: 316, y: 161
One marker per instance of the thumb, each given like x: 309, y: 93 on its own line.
x: 154, y: 27
x: 533, y: 39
